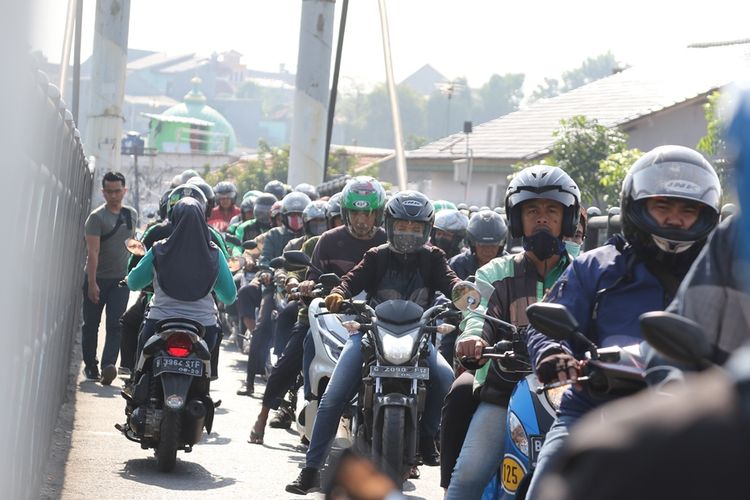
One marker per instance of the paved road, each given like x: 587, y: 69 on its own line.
x: 91, y: 459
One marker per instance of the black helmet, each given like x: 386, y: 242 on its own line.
x: 247, y: 207
x: 276, y: 188
x: 309, y: 190
x: 314, y: 218
x: 187, y: 175
x: 262, y: 208
x: 545, y: 182
x: 163, y: 204
x: 208, y: 192
x: 410, y: 206
x: 486, y: 228
x: 671, y: 172
x: 333, y: 208
x: 226, y: 189
x: 294, y: 204
x: 184, y: 191
x: 451, y: 221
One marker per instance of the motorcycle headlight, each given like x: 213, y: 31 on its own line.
x: 397, y: 350
x: 554, y: 396
x: 518, y: 433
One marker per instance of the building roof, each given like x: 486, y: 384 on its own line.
x: 157, y: 60
x: 179, y: 119
x: 614, y: 101
x: 424, y: 80
x: 155, y: 101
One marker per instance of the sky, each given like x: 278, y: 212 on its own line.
x: 467, y: 38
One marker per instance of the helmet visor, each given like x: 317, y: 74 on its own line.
x: 555, y: 193
x: 677, y: 180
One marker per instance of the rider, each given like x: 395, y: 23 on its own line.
x: 449, y: 231
x: 308, y: 189
x: 178, y: 293
x: 221, y: 216
x: 276, y: 188
x: 333, y: 211
x: 486, y: 235
x: 542, y: 203
x: 386, y: 272
x: 669, y: 205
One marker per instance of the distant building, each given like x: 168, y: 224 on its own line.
x: 654, y: 104
x: 425, y: 80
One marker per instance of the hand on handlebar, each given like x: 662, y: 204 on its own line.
x: 471, y: 347
x: 333, y: 302
x: 306, y: 287
x: 561, y: 367
x: 265, y: 277
x: 291, y: 285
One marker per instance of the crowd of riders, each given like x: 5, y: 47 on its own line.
x: 387, y: 244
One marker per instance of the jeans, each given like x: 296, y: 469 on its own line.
x: 115, y: 299
x: 287, y: 368
x: 458, y: 410
x: 553, y: 442
x: 344, y: 384
x: 308, y: 354
x: 262, y: 338
x: 149, y: 327
x: 481, y: 453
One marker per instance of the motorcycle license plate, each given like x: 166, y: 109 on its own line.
x: 417, y: 372
x: 164, y: 364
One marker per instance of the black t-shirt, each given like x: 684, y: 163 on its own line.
x: 338, y: 251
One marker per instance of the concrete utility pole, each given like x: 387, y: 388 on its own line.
x: 307, y: 154
x: 109, y: 62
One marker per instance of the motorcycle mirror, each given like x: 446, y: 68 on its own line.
x: 297, y: 257
x: 277, y: 262
x: 235, y: 264
x: 249, y: 245
x: 230, y: 238
x: 466, y: 296
x: 676, y: 337
x: 329, y: 280
x: 135, y: 247
x: 553, y: 320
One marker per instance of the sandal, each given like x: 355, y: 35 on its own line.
x: 255, y: 437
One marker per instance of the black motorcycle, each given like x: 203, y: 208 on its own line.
x: 168, y: 404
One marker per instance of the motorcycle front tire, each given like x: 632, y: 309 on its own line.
x: 393, y: 444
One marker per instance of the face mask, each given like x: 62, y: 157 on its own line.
x: 295, y: 223
x: 317, y: 227
x: 542, y: 244
x: 573, y: 248
x: 443, y: 244
x: 406, y: 241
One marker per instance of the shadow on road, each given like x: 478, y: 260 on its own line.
x: 214, y: 438
x: 188, y: 476
x: 100, y: 391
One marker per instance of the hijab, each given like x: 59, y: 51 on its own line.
x: 187, y: 263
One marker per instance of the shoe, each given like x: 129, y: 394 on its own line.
x: 246, y: 389
x: 281, y: 420
x: 109, y: 373
x: 428, y: 455
x: 124, y: 372
x: 92, y: 372
x: 307, y: 481
x: 304, y: 440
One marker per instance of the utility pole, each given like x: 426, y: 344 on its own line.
x: 109, y: 62
x: 307, y: 153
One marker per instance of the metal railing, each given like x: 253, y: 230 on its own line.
x: 45, y: 299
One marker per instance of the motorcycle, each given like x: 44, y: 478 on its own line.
x: 168, y: 406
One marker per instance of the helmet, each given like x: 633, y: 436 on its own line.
x: 499, y: 210
x: 254, y: 193
x: 363, y: 194
x: 247, y: 207
x: 262, y: 208
x: 176, y: 181
x: 187, y: 175
x: 226, y: 189
x: 451, y: 221
x: 314, y: 218
x: 410, y: 206
x: 333, y: 208
x: 308, y: 189
x: 276, y: 188
x: 728, y: 210
x: 184, y: 191
x: 292, y: 207
x: 593, y: 212
x: 673, y: 172
x: 163, y: 204
x: 439, y: 205
x: 545, y: 182
x: 486, y: 228
x: 208, y: 192
x: 275, y: 210
x: 462, y: 206
x: 473, y: 209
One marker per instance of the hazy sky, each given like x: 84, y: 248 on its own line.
x: 471, y: 38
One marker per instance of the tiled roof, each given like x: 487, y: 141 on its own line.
x: 157, y: 60
x: 613, y: 101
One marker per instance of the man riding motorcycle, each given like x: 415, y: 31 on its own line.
x: 542, y: 203
x: 449, y: 231
x: 486, y: 235
x: 390, y: 271
x: 669, y: 205
x: 222, y: 215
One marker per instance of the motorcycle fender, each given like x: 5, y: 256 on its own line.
x: 175, y: 386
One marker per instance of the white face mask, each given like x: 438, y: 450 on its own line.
x: 671, y: 246
x: 573, y: 248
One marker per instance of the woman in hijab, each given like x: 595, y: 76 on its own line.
x: 184, y: 269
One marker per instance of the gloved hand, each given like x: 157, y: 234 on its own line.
x: 333, y: 302
x: 557, y: 367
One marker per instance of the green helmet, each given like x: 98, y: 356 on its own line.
x: 443, y: 205
x: 363, y: 194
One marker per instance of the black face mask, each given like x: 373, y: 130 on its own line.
x: 443, y: 244
x: 543, y: 244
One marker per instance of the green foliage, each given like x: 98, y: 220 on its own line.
x: 550, y: 88
x: 272, y: 163
x: 499, y: 96
x: 590, y: 70
x: 612, y: 171
x: 712, y: 144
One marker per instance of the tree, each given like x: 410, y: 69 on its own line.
x: 612, y: 171
x: 499, y: 96
x: 712, y: 144
x: 272, y: 163
x: 590, y: 70
x: 550, y: 88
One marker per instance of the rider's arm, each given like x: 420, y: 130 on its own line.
x: 225, y: 289
x: 219, y: 240
x: 270, y: 248
x: 143, y: 274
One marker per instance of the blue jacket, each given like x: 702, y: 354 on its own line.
x: 606, y: 290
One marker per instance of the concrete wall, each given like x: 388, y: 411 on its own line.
x: 682, y: 125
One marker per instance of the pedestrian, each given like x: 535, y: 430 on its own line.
x: 107, y: 228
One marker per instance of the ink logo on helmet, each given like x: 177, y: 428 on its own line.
x: 361, y: 204
x: 678, y: 186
